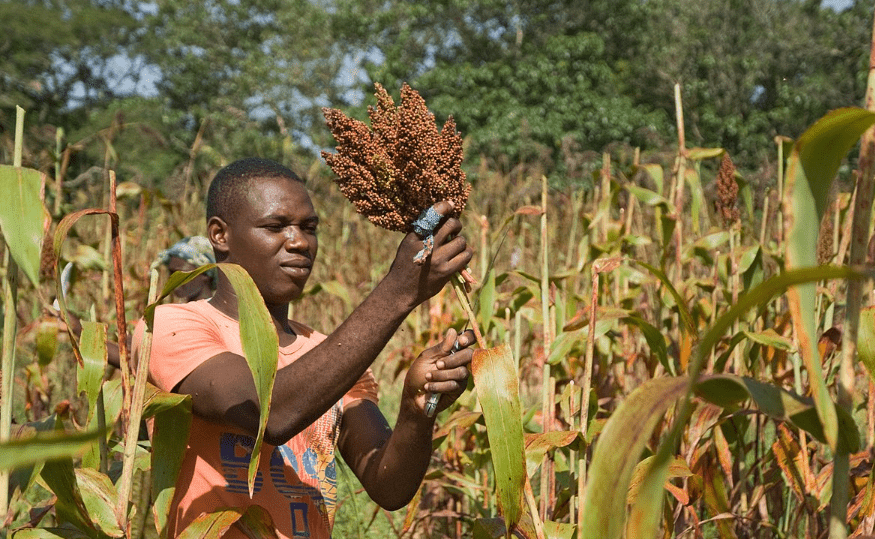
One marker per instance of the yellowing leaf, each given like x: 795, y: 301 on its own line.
x: 497, y: 383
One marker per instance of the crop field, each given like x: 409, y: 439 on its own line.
x: 670, y: 207
x: 699, y: 315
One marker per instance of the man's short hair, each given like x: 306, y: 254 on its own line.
x: 230, y: 184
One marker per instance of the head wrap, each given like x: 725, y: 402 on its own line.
x: 196, y: 250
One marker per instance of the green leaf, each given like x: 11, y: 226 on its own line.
x: 89, y: 375
x: 60, y: 477
x: 648, y: 197
x: 99, y: 496
x: 812, y: 166
x: 212, y: 525
x: 44, y: 446
x: 697, y: 197
x: 49, y: 533
x: 486, y: 297
x: 260, y: 346
x: 655, y: 340
x: 336, y: 289
x: 257, y: 335
x: 654, y: 171
x: 60, y: 235
x: 497, y: 382
x: 46, y: 340
x: 771, y: 338
x: 700, y: 154
x: 866, y: 339
x: 24, y: 476
x: 23, y: 217
x: 170, y: 433
x: 177, y: 279
x: 618, y: 450
x: 683, y: 311
x: 727, y: 390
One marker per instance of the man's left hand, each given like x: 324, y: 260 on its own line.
x: 441, y: 369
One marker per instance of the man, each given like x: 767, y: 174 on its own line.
x: 260, y: 216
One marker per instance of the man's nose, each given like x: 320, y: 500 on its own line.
x: 295, y: 238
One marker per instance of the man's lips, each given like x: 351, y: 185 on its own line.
x: 297, y: 266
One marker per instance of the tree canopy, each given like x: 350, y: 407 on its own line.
x: 528, y: 82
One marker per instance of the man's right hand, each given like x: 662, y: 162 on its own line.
x: 416, y: 283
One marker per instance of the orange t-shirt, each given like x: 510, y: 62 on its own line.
x: 296, y: 482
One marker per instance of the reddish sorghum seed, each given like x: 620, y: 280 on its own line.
x: 401, y: 165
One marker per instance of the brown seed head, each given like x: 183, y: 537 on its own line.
x: 727, y: 191
x: 399, y: 166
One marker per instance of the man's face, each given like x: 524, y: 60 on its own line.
x: 274, y: 237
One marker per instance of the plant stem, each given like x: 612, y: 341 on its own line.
x: 680, y: 178
x: 459, y: 288
x: 10, y: 285
x: 10, y: 328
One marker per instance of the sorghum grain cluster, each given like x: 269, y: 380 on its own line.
x: 399, y: 166
x: 727, y: 191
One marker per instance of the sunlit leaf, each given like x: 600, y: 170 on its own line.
x: 618, y: 450
x: 866, y: 339
x: 486, y: 297
x: 43, y: 446
x: 260, y: 346
x: 812, y: 166
x: 99, y: 496
x: 676, y: 468
x: 648, y: 197
x: 699, y: 154
x: 537, y: 445
x: 211, y: 525
x: 46, y: 340
x: 656, y: 173
x: 60, y: 477
x: 89, y: 375
x: 769, y: 337
x: 170, y: 432
x: 23, y: 217
x: 497, y: 383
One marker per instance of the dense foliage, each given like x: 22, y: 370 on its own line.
x: 536, y: 81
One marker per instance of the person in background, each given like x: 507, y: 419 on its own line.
x: 187, y: 254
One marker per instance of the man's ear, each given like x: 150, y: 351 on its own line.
x: 218, y: 232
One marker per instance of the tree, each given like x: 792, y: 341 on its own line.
x: 232, y: 64
x: 59, y: 55
x: 524, y: 81
x: 751, y: 70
